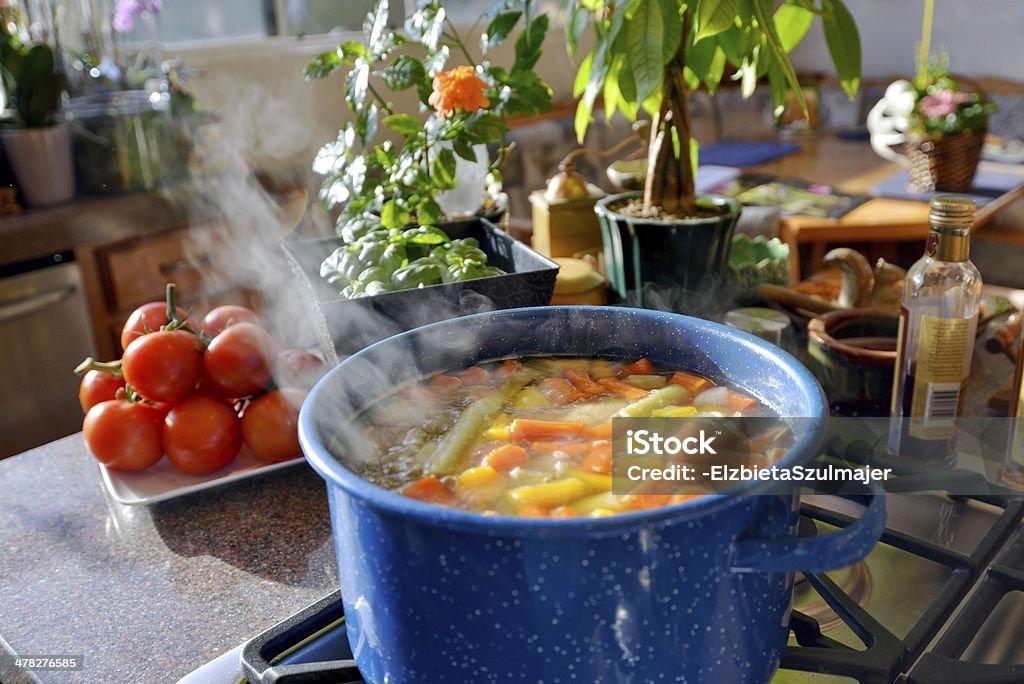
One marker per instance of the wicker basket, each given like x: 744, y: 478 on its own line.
x: 944, y: 163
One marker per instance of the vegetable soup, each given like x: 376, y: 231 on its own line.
x: 531, y: 437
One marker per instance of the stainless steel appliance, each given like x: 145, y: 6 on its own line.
x: 44, y: 333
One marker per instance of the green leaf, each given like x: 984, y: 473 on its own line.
x: 356, y: 85
x: 715, y: 16
x: 529, y: 43
x: 603, y: 55
x: 403, y: 73
x: 792, y: 23
x: 499, y: 29
x: 527, y: 94
x: 322, y: 65
x: 428, y: 212
x: 843, y: 42
x: 766, y: 24
x: 673, y: 33
x: 405, y: 124
x: 576, y: 23
x: 485, y: 127
x: 645, y: 34
x: 443, y: 170
x: 392, y: 216
x: 426, y: 25
x: 366, y: 122
x: 715, y: 70
x: 698, y: 57
x: 351, y: 50
x: 582, y: 75
x: 464, y: 149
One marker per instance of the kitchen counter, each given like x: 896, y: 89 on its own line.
x: 147, y: 594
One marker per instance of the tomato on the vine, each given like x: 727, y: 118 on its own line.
x: 239, y: 361
x: 96, y: 387
x: 146, y: 319
x: 225, y: 316
x: 165, y: 365
x: 124, y: 435
x: 270, y: 425
x: 201, y: 435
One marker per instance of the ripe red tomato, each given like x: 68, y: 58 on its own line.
x: 124, y: 435
x: 225, y: 316
x: 239, y: 361
x: 298, y: 368
x: 146, y: 319
x: 164, y: 366
x: 201, y: 434
x: 97, y: 387
x: 270, y: 425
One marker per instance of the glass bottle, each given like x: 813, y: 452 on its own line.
x: 938, y: 322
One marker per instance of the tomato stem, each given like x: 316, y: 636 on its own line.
x: 112, y: 367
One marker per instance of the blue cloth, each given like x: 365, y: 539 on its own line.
x: 988, y: 185
x: 745, y: 153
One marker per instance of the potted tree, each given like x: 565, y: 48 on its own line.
x: 647, y: 56
x: 36, y: 142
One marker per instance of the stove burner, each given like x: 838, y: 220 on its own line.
x: 854, y: 581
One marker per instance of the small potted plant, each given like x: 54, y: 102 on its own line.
x: 647, y: 56
x: 436, y: 172
x: 939, y: 123
x: 35, y: 139
x: 411, y: 180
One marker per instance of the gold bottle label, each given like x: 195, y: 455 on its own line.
x: 943, y: 362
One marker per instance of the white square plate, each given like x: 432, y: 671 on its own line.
x: 163, y: 481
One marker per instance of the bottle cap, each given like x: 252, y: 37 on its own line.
x: 950, y: 211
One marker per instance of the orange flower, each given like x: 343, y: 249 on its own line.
x: 459, y: 88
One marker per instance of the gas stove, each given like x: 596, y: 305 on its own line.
x: 939, y: 599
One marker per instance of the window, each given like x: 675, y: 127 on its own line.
x: 187, y: 21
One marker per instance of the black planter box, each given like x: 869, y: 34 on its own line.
x: 344, y: 326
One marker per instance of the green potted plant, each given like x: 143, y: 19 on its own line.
x: 35, y: 140
x: 424, y: 105
x: 647, y: 56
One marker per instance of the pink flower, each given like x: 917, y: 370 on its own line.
x: 942, y: 103
x: 125, y: 12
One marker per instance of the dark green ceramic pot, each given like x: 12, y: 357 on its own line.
x: 666, y: 264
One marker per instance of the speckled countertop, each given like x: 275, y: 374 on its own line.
x: 149, y: 593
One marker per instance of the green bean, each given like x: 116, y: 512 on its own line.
x: 659, y: 398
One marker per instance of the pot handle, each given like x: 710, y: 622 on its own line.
x: 814, y: 554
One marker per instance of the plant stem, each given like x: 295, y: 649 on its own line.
x: 380, y: 100
x: 925, y: 49
x: 457, y: 39
x: 112, y: 367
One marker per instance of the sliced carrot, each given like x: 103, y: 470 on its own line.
x: 559, y: 390
x: 474, y: 375
x: 599, y: 459
x: 695, y: 383
x: 533, y: 511
x: 641, y: 366
x: 564, y: 512
x: 524, y: 429
x: 640, y: 501
x: 506, y: 457
x: 506, y: 370
x: 573, y: 448
x: 444, y: 385
x: 741, y: 402
x: 623, y: 389
x: 602, y: 431
x: 582, y: 381
x: 428, y: 489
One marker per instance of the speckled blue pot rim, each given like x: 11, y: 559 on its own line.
x: 756, y: 350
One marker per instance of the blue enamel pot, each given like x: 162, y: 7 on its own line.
x: 696, y: 592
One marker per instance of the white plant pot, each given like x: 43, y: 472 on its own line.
x: 41, y: 161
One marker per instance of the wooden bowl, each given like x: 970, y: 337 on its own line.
x: 853, y: 355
